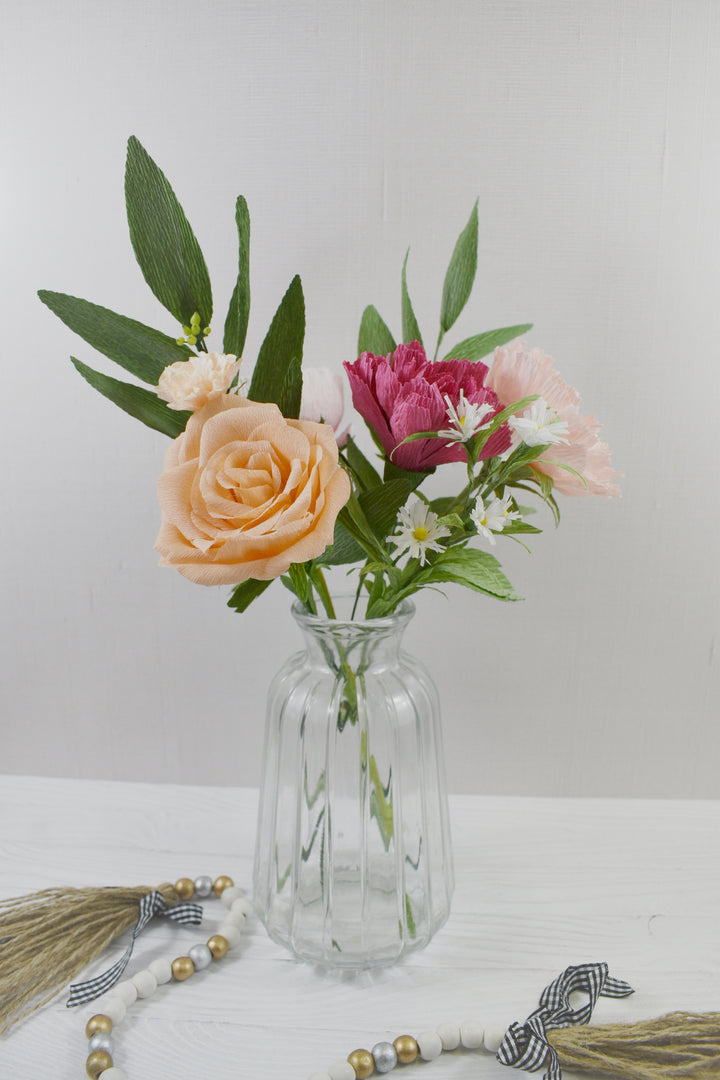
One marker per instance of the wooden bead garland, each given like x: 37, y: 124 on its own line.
x: 99, y: 1064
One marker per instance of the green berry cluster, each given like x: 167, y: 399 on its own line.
x: 192, y: 333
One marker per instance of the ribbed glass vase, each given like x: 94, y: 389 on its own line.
x: 353, y: 864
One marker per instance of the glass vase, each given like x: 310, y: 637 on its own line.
x: 353, y: 863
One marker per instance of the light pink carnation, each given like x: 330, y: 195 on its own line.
x: 516, y: 373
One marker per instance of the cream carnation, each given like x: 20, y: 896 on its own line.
x: 189, y: 384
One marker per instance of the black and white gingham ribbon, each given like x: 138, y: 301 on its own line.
x: 153, y: 903
x: 526, y: 1046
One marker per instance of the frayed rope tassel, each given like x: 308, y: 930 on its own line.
x: 48, y: 937
x: 670, y: 1047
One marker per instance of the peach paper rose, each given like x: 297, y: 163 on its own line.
x: 245, y: 493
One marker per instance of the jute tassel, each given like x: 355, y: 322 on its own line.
x: 47, y: 938
x: 669, y: 1047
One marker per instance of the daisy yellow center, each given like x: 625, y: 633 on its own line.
x: 420, y: 533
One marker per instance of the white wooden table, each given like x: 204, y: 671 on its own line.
x: 541, y: 883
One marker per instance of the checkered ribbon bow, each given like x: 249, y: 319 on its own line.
x: 526, y: 1046
x: 153, y: 903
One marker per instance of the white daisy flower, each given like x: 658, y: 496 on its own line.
x: 539, y: 426
x: 419, y: 531
x: 466, y: 419
x: 494, y: 517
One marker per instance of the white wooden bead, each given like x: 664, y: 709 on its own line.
x: 341, y: 1070
x: 429, y: 1045
x: 471, y: 1034
x: 493, y: 1037
x: 236, y: 917
x: 323, y: 1076
x: 145, y: 983
x: 162, y: 970
x: 113, y: 1074
x: 449, y: 1035
x: 126, y: 991
x: 234, y: 892
x: 231, y: 934
x: 114, y: 1007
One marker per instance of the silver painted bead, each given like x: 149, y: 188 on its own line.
x: 385, y: 1056
x: 203, y: 886
x: 100, y: 1041
x: 200, y: 956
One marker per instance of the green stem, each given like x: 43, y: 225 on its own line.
x: 323, y: 592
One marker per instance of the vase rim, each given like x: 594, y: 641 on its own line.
x: 402, y: 613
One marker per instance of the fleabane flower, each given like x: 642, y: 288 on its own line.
x: 493, y: 517
x: 419, y: 531
x: 539, y: 425
x: 189, y: 384
x: 466, y: 418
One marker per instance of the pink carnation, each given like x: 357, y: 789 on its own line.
x: 405, y: 393
x: 516, y: 373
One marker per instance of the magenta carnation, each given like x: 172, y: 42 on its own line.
x: 405, y: 393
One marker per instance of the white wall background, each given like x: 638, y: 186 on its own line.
x: 591, y: 133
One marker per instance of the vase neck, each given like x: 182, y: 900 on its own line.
x: 353, y: 644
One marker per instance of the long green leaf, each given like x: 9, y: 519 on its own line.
x: 480, y: 345
x: 135, y: 400
x: 236, y: 323
x: 291, y: 394
x: 139, y: 349
x: 411, y: 330
x: 374, y: 336
x: 460, y: 273
x: 165, y: 246
x: 243, y: 594
x: 282, y: 346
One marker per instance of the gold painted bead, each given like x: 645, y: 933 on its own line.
x: 218, y: 946
x: 99, y: 1022
x: 98, y: 1062
x: 363, y: 1063
x: 222, y: 883
x: 185, y: 888
x: 182, y: 968
x: 407, y: 1048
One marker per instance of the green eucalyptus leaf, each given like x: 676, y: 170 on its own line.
x: 365, y: 475
x: 139, y: 349
x: 344, y: 549
x: 381, y: 505
x: 143, y: 404
x: 470, y: 567
x: 411, y: 330
x: 236, y: 323
x: 299, y: 578
x: 281, y: 349
x: 243, y: 594
x: 374, y: 336
x: 460, y: 273
x: 164, y: 243
x: 480, y: 345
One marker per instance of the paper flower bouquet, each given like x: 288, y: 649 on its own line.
x: 262, y: 481
x: 255, y: 485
